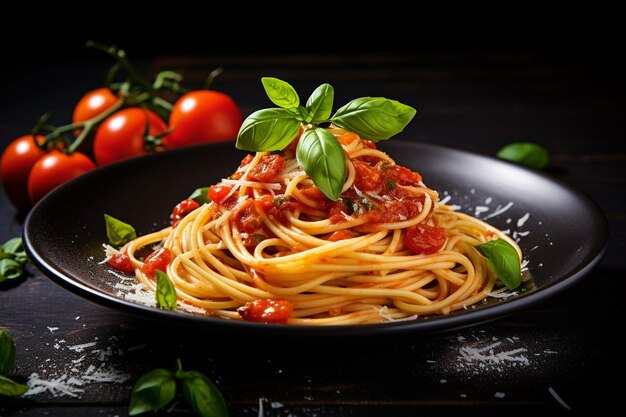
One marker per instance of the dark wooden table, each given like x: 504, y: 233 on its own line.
x: 572, y: 344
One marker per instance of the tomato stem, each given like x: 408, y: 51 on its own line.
x: 86, y: 126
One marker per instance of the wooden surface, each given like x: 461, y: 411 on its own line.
x: 572, y: 343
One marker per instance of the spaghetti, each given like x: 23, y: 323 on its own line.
x: 271, y: 247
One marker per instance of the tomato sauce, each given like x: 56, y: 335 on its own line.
x: 182, y: 209
x: 121, y: 262
x: 159, y: 259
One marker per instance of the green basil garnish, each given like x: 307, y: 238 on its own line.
x: 7, y: 353
x: 165, y: 291
x: 152, y: 391
x: 281, y: 93
x: 526, y: 153
x: 118, y: 232
x: 15, y: 248
x: 503, y: 260
x: 12, y: 259
x: 320, y: 104
x: 11, y: 388
x: 10, y: 269
x: 200, y: 195
x: 374, y: 118
x: 267, y: 130
x: 8, y: 387
x: 202, y: 395
x: 321, y: 156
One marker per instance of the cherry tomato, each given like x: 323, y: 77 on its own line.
x: 159, y: 259
x: 218, y: 192
x: 268, y: 310
x: 424, y: 240
x: 121, y: 135
x: 203, y: 116
x: 92, y: 104
x: 121, y: 262
x: 182, y: 209
x: 17, y: 161
x: 53, y: 169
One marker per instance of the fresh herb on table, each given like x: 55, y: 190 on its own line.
x: 318, y: 151
x: 526, y: 153
x: 12, y: 259
x: 157, y: 388
x: 8, y: 387
x: 503, y: 260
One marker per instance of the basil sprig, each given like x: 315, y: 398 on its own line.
x: 526, y: 153
x: 118, y: 232
x: 319, y: 154
x: 12, y: 259
x: 503, y: 260
x: 157, y: 388
x: 8, y: 387
x: 165, y: 291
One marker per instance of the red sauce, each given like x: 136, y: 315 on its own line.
x: 341, y: 235
x: 159, y: 259
x: 218, y: 193
x: 367, y: 178
x: 182, y: 209
x: 121, y: 262
x: 270, y: 310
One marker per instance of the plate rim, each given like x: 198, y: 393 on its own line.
x: 428, y: 324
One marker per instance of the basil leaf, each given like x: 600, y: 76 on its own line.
x: 374, y: 118
x: 7, y: 353
x: 118, y: 232
x: 165, y: 291
x: 321, y: 156
x: 526, y: 153
x: 281, y: 93
x: 320, y: 104
x: 202, y: 395
x: 15, y: 248
x: 503, y: 260
x: 11, y: 388
x: 200, y: 195
x: 267, y: 130
x: 10, y: 269
x: 152, y: 391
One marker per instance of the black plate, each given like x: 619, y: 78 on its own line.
x: 564, y: 235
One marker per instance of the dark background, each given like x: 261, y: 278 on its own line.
x: 478, y: 83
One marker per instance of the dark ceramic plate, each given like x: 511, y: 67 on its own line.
x: 562, y: 233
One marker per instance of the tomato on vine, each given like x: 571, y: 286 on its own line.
x: 92, y: 104
x: 122, y: 135
x: 17, y: 161
x: 203, y: 116
x: 54, y: 169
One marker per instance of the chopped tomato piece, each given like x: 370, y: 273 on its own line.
x: 269, y: 310
x: 121, y: 262
x: 366, y: 178
x: 182, y: 209
x: 404, y: 176
x: 218, y: 193
x: 268, y: 167
x: 245, y: 161
x: 424, y: 240
x: 347, y: 138
x: 313, y: 193
x: 247, y: 219
x: 159, y: 259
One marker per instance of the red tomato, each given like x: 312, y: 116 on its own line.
x: 159, y: 259
x: 15, y: 166
x: 121, y: 135
x: 121, y: 262
x: 53, y: 169
x: 218, y: 192
x: 424, y: 240
x: 203, y: 116
x: 268, y: 310
x: 182, y: 209
x: 366, y: 178
x: 92, y: 104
